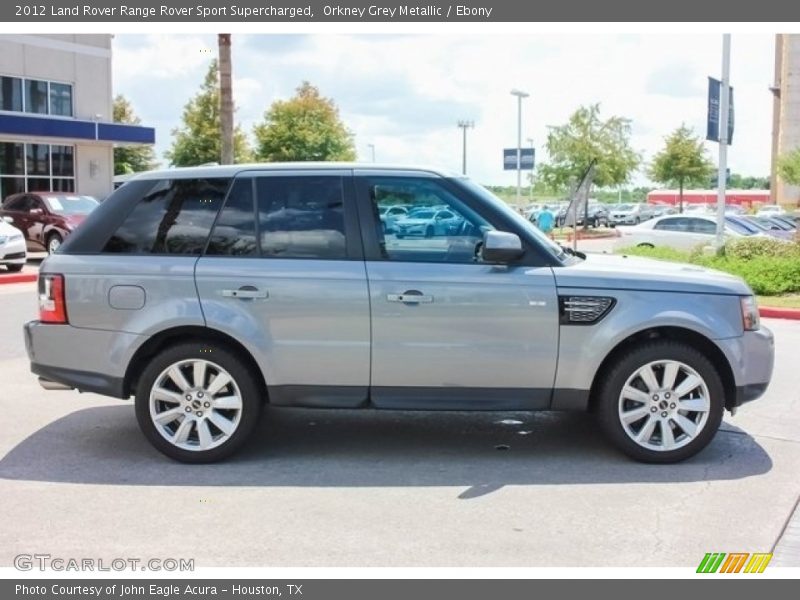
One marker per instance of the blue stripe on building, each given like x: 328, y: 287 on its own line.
x: 75, y: 129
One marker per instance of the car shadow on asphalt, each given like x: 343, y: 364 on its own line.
x: 481, y: 452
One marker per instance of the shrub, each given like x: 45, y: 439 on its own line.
x: 755, y: 247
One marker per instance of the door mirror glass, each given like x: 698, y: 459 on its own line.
x: 500, y: 247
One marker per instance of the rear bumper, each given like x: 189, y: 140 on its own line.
x: 84, y: 381
x: 89, y: 360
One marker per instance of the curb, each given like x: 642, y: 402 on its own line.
x: 779, y: 313
x: 19, y: 278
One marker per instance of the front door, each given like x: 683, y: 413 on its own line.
x: 448, y: 331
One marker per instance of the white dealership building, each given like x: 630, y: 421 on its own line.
x: 56, y: 120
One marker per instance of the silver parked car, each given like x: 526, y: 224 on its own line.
x: 209, y: 291
x: 630, y: 214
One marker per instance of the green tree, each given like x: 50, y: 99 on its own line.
x: 682, y: 162
x: 585, y: 137
x: 197, y: 140
x: 305, y: 127
x: 789, y: 167
x: 134, y: 158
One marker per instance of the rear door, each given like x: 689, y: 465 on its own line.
x: 284, y: 274
x: 448, y: 331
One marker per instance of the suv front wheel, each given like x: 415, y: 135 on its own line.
x: 197, y: 403
x: 661, y: 402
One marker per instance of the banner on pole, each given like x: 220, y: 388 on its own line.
x: 713, y: 117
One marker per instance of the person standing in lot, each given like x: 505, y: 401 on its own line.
x: 545, y: 222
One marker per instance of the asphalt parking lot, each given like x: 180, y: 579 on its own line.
x: 351, y: 488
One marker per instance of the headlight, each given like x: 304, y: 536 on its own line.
x: 750, y: 318
x: 15, y: 237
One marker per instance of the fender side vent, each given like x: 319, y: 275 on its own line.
x: 583, y: 310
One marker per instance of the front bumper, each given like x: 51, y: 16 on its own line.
x: 752, y: 357
x: 13, y: 252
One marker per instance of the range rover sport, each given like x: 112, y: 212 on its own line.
x: 207, y: 292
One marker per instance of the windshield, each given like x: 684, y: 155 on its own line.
x: 421, y: 214
x: 624, y: 206
x: 70, y: 205
x: 739, y: 226
x: 487, y: 196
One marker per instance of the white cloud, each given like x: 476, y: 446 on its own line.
x: 405, y: 93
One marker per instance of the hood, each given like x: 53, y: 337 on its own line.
x: 6, y: 229
x: 633, y: 273
x: 74, y: 220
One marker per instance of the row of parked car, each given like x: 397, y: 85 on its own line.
x: 38, y: 222
x: 689, y: 230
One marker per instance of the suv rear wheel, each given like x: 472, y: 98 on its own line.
x: 197, y: 403
x: 661, y: 402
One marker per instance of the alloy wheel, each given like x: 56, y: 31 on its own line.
x: 195, y: 404
x: 664, y: 405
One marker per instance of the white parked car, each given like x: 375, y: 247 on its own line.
x: 770, y: 210
x: 13, y: 253
x: 682, y: 232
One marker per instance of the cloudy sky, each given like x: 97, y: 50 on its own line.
x: 405, y: 93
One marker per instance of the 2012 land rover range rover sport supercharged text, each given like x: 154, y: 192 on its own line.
x: 207, y: 292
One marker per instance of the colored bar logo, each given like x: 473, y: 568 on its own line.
x: 734, y: 562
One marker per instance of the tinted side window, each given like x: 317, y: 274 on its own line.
x: 175, y: 217
x: 21, y: 203
x: 702, y: 226
x: 675, y: 224
x: 235, y: 230
x: 438, y: 227
x: 301, y: 217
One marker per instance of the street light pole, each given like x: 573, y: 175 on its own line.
x: 372, y: 149
x: 724, y: 116
x: 520, y: 95
x: 464, y: 125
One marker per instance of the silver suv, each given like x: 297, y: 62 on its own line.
x: 207, y: 292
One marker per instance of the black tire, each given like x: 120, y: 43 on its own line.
x: 637, y: 220
x: 429, y: 231
x: 249, y: 389
x: 51, y: 239
x: 610, y: 390
x: 14, y: 268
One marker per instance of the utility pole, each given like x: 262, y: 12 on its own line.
x: 372, y: 150
x: 464, y: 125
x: 226, y: 98
x: 520, y: 95
x: 724, y: 116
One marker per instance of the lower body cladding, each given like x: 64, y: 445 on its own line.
x: 66, y: 357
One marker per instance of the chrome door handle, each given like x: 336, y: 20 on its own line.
x: 245, y: 292
x: 410, y: 297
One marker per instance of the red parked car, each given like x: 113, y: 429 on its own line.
x: 46, y: 218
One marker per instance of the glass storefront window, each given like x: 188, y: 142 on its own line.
x: 36, y: 96
x: 61, y: 99
x: 36, y: 168
x: 11, y: 94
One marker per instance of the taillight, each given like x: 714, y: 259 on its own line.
x: 52, y: 301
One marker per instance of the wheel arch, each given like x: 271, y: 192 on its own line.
x: 697, y: 340
x: 183, y: 334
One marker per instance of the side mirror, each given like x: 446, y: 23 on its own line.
x: 500, y: 247
x: 8, y: 219
x: 37, y: 211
